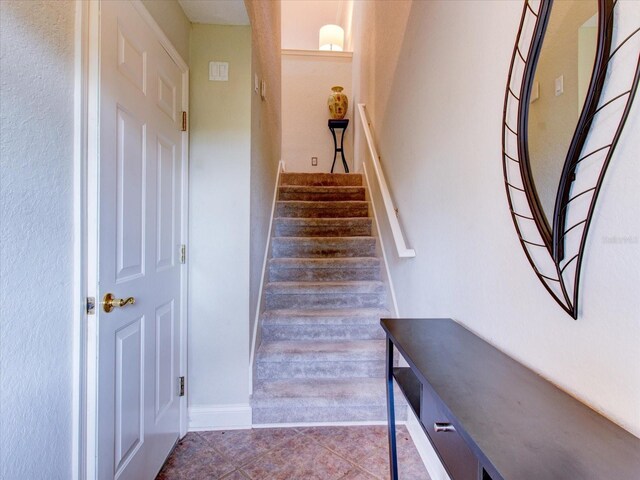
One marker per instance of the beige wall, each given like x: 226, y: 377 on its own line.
x: 438, y: 88
x: 302, y: 19
x: 173, y: 22
x: 266, y: 132
x: 220, y: 166
x: 306, y: 86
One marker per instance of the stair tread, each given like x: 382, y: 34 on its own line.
x: 341, y: 316
x: 321, y: 350
x: 322, y: 188
x: 320, y: 392
x: 354, y: 286
x: 328, y: 262
x: 324, y: 203
x: 323, y: 220
x: 323, y: 247
x: 293, y: 178
x: 327, y: 239
x: 296, y: 226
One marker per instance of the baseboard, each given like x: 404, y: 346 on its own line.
x: 427, y: 453
x: 380, y: 245
x: 255, y: 336
x: 235, y: 416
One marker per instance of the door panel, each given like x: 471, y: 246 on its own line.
x: 132, y: 59
x: 164, y: 374
x: 166, y: 203
x: 167, y: 96
x: 129, y: 432
x: 139, y: 208
x: 131, y: 195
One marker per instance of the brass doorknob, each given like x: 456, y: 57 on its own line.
x: 109, y: 302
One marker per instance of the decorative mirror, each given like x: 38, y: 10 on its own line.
x: 572, y: 80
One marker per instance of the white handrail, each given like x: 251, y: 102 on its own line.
x: 401, y: 246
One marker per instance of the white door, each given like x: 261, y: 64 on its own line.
x: 139, y: 208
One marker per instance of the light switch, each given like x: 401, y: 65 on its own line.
x: 219, y: 71
x: 559, y: 85
x: 535, y: 92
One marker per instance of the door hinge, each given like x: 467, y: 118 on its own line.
x: 183, y: 253
x: 91, y: 305
x: 184, y: 121
x: 181, y: 386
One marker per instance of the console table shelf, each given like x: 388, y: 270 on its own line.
x: 489, y: 417
x: 410, y: 386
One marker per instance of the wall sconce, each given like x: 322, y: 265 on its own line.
x: 331, y: 38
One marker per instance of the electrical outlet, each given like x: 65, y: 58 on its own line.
x: 314, y: 161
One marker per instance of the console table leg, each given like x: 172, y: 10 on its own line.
x: 335, y: 155
x: 335, y: 148
x: 391, y: 417
x: 344, y: 162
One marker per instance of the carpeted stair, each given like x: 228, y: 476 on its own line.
x: 322, y: 356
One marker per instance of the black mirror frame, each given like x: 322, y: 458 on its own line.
x: 554, y: 240
x: 605, y: 30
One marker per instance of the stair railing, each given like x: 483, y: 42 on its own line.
x: 390, y: 209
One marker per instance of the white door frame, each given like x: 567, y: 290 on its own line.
x: 86, y: 135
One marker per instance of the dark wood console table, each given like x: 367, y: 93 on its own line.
x: 489, y: 417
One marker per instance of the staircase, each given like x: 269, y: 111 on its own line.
x: 322, y: 356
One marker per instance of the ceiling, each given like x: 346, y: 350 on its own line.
x: 217, y: 12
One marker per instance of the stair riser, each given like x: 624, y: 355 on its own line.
x: 280, y: 274
x: 321, y: 179
x: 309, y: 210
x: 310, y: 248
x: 322, y: 332
x: 327, y: 196
x: 362, y: 229
x: 320, y: 369
x: 327, y: 300
x: 305, y: 414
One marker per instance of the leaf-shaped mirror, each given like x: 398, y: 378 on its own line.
x: 572, y: 80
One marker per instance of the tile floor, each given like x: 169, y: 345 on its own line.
x: 309, y: 453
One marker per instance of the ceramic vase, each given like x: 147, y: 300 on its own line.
x: 338, y: 103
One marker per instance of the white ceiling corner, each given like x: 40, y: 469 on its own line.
x: 216, y: 12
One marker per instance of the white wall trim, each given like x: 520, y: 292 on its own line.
x: 234, y: 416
x: 259, y: 303
x: 92, y: 22
x: 427, y: 453
x: 184, y: 280
x: 392, y: 290
x: 316, y: 53
x: 80, y: 152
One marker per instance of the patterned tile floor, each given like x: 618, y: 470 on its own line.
x: 310, y: 453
